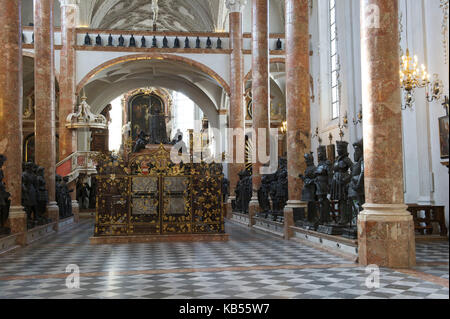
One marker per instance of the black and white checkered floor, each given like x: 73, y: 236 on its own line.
x: 251, y: 265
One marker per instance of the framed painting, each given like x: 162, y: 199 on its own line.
x: 444, y: 136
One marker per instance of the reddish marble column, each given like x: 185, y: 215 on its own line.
x: 67, y: 138
x: 260, y: 88
x: 385, y: 228
x: 297, y: 96
x: 44, y: 83
x: 11, y: 108
x: 236, y: 120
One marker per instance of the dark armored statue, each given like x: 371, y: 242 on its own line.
x: 243, y: 192
x: 141, y: 142
x: 5, y: 201
x: 340, y: 181
x: 42, y: 199
x: 225, y: 189
x: 324, y: 173
x: 197, y: 43
x: 67, y: 198
x: 59, y: 196
x: 309, y: 189
x: 356, y: 185
x: 154, y: 42
x: 93, y: 193
x: 208, y: 43
x: 263, y: 193
x: 143, y: 43
x: 219, y: 44
x: 186, y: 43
x: 29, y: 194
x: 279, y: 188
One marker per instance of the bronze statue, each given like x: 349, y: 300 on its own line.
x: 158, y: 133
x: 110, y: 40
x: 141, y: 142
x: 154, y: 42
x: 197, y: 43
x: 340, y: 181
x: 176, y: 43
x: 5, y: 201
x: 87, y: 39
x: 67, y: 198
x: 143, y: 44
x: 121, y: 41
x: 219, y: 44
x: 132, y: 42
x: 263, y: 194
x: 165, y: 42
x: 98, y: 40
x: 243, y: 192
x: 322, y: 180
x: 93, y: 193
x: 29, y: 194
x: 279, y: 188
x: 208, y: 43
x: 42, y: 199
x: 186, y: 43
x: 279, y: 44
x: 309, y: 189
x: 356, y: 193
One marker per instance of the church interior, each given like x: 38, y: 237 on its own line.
x: 224, y: 149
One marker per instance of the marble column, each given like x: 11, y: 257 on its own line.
x: 237, y: 90
x: 297, y: 98
x: 11, y: 136
x: 67, y: 138
x: 260, y: 89
x: 44, y: 84
x: 385, y: 227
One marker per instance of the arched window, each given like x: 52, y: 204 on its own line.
x: 334, y: 62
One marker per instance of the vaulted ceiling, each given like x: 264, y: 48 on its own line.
x: 174, y: 15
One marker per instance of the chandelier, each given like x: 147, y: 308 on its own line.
x: 412, y: 77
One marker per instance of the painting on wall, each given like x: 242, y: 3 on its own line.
x: 444, y: 136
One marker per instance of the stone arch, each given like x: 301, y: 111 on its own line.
x: 155, y: 56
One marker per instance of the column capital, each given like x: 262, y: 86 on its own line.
x: 235, y: 5
x: 69, y: 3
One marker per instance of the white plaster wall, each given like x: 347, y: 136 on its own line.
x: 89, y: 60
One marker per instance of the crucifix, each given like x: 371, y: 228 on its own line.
x: 155, y: 10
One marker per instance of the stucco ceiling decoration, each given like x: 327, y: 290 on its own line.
x: 174, y: 15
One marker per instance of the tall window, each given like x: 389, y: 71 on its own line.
x: 334, y: 63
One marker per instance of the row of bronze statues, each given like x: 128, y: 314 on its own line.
x: 272, y: 196
x: 334, y: 191
x: 334, y: 187
x: 132, y: 42
x: 34, y: 196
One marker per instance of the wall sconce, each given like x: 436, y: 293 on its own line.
x: 317, y: 135
x: 345, y: 120
x: 283, y: 127
x: 434, y: 92
x: 359, y: 117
